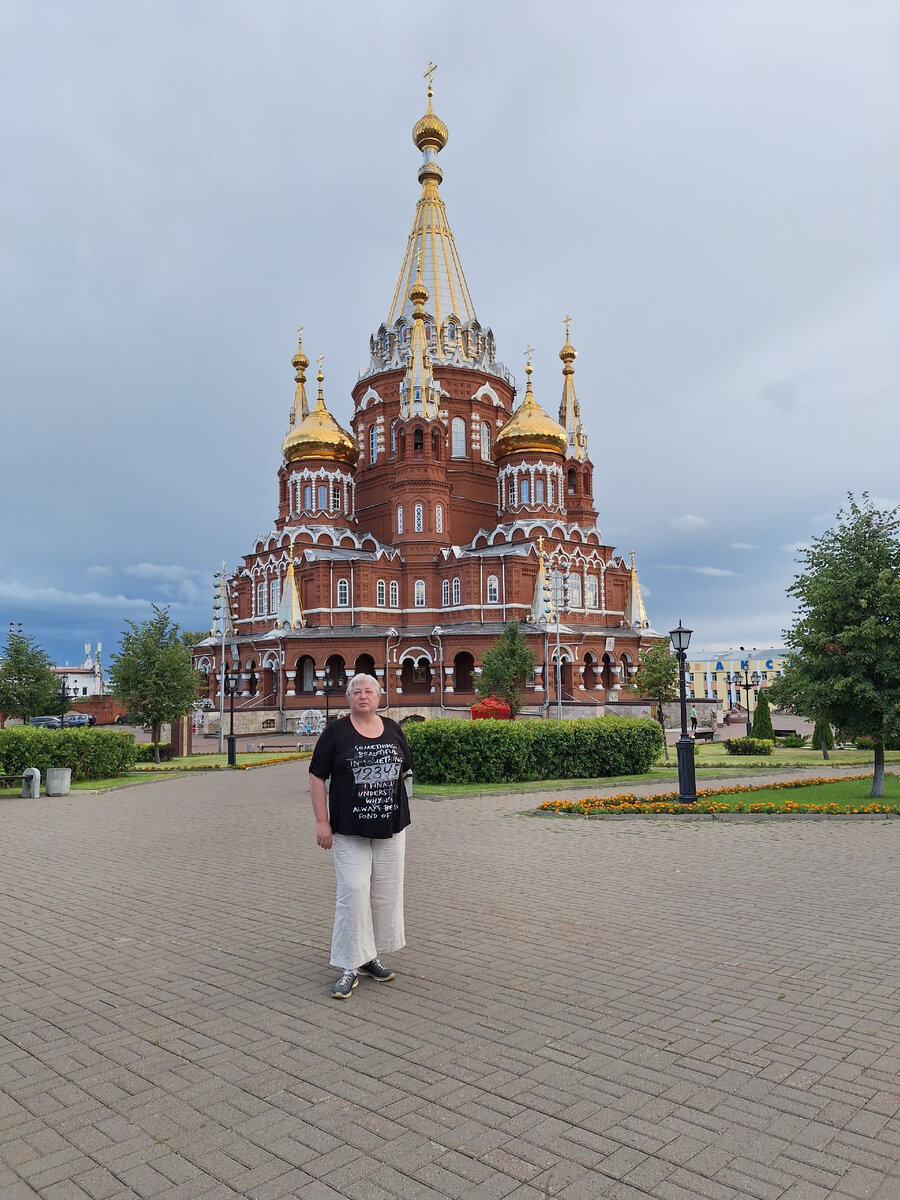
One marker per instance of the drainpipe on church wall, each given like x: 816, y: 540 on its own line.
x: 503, y: 584
x: 331, y: 593
x: 352, y: 597
x: 481, y: 587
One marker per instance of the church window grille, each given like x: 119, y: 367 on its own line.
x: 373, y: 444
x: 445, y: 593
x: 336, y: 497
x: 420, y: 593
x: 274, y: 595
x: 307, y: 497
x: 524, y: 490
x: 393, y: 441
x: 456, y: 591
x: 395, y: 594
x: 399, y: 518
x: 458, y: 436
x: 575, y: 591
x: 380, y: 593
x: 511, y: 492
x: 539, y: 491
x: 419, y: 518
x: 343, y: 593
x: 485, y: 441
x: 261, y: 598
x: 322, y: 498
x: 593, y: 593
x: 493, y: 590
x: 439, y: 518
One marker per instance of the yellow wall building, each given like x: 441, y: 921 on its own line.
x: 722, y: 676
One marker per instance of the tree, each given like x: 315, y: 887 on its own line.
x: 152, y: 673
x: 823, y: 737
x: 845, y: 643
x: 506, y: 668
x: 28, y: 688
x: 657, y: 677
x: 762, y: 719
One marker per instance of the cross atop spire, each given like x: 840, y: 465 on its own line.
x: 432, y: 67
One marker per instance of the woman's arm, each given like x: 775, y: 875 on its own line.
x: 320, y: 810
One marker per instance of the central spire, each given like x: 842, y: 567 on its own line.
x: 419, y: 396
x: 431, y: 238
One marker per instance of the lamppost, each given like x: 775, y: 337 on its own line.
x: 64, y: 695
x: 558, y: 599
x: 330, y: 685
x: 748, y: 685
x: 684, y: 748
x: 232, y: 681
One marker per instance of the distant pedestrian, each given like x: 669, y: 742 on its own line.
x: 693, y: 719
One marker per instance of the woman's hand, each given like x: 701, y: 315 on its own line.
x: 323, y: 834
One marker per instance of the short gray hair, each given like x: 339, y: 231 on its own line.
x: 354, y: 679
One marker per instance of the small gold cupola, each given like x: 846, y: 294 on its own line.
x: 569, y: 408
x: 530, y: 429
x: 320, y: 436
x: 419, y: 397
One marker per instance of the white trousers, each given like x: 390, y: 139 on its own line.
x: 368, y: 911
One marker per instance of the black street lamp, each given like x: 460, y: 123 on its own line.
x: 330, y: 685
x: 748, y: 685
x: 684, y: 748
x: 232, y: 683
x: 64, y: 695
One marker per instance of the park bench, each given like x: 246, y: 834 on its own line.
x: 30, y: 781
x: 784, y: 732
x: 703, y: 735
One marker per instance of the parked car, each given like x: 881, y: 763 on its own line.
x: 80, y: 718
x: 127, y: 719
x: 45, y: 722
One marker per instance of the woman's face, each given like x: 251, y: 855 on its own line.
x: 363, y: 697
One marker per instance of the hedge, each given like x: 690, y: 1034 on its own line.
x: 449, y: 751
x: 748, y: 745
x: 90, y: 753
x: 146, y: 752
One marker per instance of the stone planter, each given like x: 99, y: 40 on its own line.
x: 59, y: 781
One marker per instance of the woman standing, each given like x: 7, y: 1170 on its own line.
x: 363, y: 821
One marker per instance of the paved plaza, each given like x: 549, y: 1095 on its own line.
x: 670, y: 1007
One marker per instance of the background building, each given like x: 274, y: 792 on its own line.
x: 722, y: 676
x: 403, y: 543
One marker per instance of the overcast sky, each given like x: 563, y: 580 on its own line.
x: 710, y: 190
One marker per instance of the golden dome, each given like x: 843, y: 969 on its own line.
x: 320, y: 436
x: 430, y: 131
x: 530, y: 429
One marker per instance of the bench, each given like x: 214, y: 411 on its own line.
x: 784, y: 732
x: 30, y: 781
x: 703, y: 735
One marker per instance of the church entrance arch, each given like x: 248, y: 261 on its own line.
x: 463, y: 666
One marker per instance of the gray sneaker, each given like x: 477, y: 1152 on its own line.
x: 376, y: 970
x: 344, y: 986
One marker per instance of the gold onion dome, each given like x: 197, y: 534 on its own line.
x: 568, y: 353
x: 530, y: 429
x: 320, y: 436
x: 430, y: 131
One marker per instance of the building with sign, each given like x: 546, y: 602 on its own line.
x: 728, y: 677
x: 406, y: 537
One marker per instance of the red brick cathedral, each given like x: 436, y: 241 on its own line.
x: 403, y: 545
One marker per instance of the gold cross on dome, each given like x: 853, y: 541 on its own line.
x: 300, y: 332
x: 528, y: 351
x: 320, y: 358
x: 567, y: 320
x: 432, y: 67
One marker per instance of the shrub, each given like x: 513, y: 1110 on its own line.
x: 90, y: 753
x: 864, y: 743
x: 146, y: 752
x: 794, y: 741
x: 448, y: 751
x: 816, y: 740
x: 762, y: 719
x: 748, y: 745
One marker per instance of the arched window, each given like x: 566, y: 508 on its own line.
x: 458, y: 437
x: 419, y: 518
x: 512, y: 493
x: 462, y: 672
x: 485, y: 441
x: 445, y: 593
x: 393, y: 440
x: 395, y: 594
x: 373, y: 443
x: 418, y: 443
x: 343, y: 593
x: 456, y: 591
x: 493, y: 590
x: 592, y: 591
x: 261, y: 599
x: 420, y: 593
x: 322, y: 498
x: 539, y: 491
x: 435, y: 445
x: 574, y: 591
x: 399, y: 518
x: 524, y: 491
x: 380, y: 593
x: 439, y: 518
x: 570, y: 480
x: 307, y: 497
x: 305, y: 677
x: 336, y: 497
x: 274, y: 595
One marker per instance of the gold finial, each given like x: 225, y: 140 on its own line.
x: 320, y: 358
x: 432, y: 67
x: 528, y: 351
x: 567, y: 320
x: 300, y: 334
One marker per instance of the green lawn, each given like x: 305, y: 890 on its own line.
x: 713, y: 754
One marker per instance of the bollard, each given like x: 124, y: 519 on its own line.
x: 31, y: 783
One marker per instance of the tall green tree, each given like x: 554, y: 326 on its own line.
x: 657, y: 678
x: 506, y: 668
x: 845, y: 643
x: 152, y: 673
x: 762, y: 718
x: 28, y: 688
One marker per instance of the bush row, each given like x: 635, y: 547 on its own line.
x: 146, y: 752
x: 448, y: 751
x: 90, y: 753
x: 748, y: 745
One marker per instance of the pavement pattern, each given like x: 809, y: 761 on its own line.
x: 669, y: 1007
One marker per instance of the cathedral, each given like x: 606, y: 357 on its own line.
x: 404, y: 543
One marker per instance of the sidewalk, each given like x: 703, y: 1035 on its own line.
x: 654, y: 1007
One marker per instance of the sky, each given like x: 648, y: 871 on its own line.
x: 709, y: 190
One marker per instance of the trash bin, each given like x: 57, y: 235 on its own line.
x: 59, y: 781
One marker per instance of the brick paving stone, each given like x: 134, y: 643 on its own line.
x: 168, y: 1013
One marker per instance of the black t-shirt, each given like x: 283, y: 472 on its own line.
x: 367, y: 797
